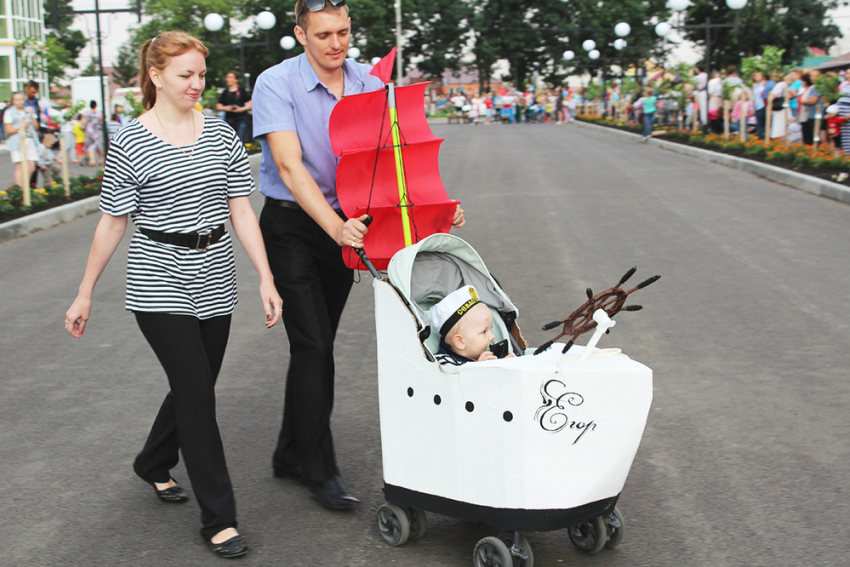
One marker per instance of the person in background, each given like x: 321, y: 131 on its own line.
x: 809, y: 98
x: 19, y: 122
x: 795, y: 89
x: 79, y: 131
x: 114, y: 125
x: 760, y: 102
x: 235, y: 101
x: 649, y: 101
x: 49, y: 164
x: 778, y: 111
x: 31, y: 90
x: 94, y: 136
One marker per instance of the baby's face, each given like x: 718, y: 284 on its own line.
x: 476, y: 328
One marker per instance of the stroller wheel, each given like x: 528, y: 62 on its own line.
x: 589, y: 536
x: 615, y: 532
x: 418, y: 523
x: 393, y: 524
x: 491, y: 552
x: 525, y: 549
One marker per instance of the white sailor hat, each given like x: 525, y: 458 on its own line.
x: 446, y: 313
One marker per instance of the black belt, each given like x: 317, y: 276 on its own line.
x: 193, y: 240
x: 283, y: 203
x: 291, y: 205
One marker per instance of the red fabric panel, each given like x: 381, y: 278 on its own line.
x: 385, y: 236
x: 356, y: 121
x: 384, y: 68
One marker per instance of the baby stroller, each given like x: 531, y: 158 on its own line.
x: 497, y: 441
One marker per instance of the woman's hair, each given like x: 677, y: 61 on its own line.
x: 93, y: 104
x: 157, y: 54
x: 807, y: 79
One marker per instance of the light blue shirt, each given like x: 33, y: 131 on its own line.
x: 289, y: 97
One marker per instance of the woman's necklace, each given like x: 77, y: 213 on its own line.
x: 194, y: 141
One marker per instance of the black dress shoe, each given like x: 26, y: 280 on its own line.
x: 234, y: 547
x: 173, y: 495
x: 333, y: 494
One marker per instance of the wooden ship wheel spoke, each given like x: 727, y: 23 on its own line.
x: 580, y: 321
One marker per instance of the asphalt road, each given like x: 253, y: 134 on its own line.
x: 744, y: 460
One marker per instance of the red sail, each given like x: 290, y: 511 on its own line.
x: 366, y: 181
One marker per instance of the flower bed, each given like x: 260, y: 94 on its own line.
x: 52, y: 195
x: 819, y: 161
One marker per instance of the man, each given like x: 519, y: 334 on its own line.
x: 304, y: 229
x: 31, y: 95
x: 760, y: 102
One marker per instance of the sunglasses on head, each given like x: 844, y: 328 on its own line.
x: 317, y: 6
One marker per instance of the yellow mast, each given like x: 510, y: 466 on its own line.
x: 399, y: 169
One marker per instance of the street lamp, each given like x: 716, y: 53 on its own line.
x: 265, y: 21
x: 593, y: 54
x: 622, y: 29
x: 620, y: 44
x: 287, y: 42
x: 353, y: 52
x: 663, y: 29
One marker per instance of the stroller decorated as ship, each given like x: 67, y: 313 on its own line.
x: 541, y: 441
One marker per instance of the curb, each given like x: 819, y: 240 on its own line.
x: 801, y: 181
x: 57, y: 215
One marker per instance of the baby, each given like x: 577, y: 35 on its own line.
x: 465, y: 325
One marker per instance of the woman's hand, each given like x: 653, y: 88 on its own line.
x: 272, y: 303
x: 77, y: 316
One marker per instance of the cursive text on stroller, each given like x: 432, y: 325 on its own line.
x: 551, y: 414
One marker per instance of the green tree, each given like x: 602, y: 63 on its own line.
x: 92, y: 70
x: 125, y: 70
x: 769, y: 60
x: 66, y: 44
x: 790, y: 25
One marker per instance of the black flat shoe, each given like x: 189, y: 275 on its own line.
x: 173, y: 495
x: 234, y: 547
x: 333, y: 494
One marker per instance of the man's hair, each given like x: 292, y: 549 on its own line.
x: 303, y: 13
x: 33, y: 85
x: 730, y: 70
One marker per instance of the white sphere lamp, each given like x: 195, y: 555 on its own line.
x: 266, y: 20
x: 663, y: 29
x: 620, y: 44
x: 594, y: 54
x: 287, y: 42
x: 569, y: 55
x: 736, y: 4
x: 588, y: 45
x: 375, y: 61
x: 678, y: 5
x: 353, y: 52
x: 622, y: 29
x: 213, y: 22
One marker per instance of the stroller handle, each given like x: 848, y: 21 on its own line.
x: 362, y: 253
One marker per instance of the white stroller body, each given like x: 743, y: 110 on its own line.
x: 532, y: 443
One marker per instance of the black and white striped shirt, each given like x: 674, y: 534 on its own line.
x: 162, y: 188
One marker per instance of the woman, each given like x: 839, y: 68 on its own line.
x: 806, y: 109
x: 180, y: 175
x: 94, y: 136
x: 776, y: 100
x: 15, y: 119
x: 236, y: 102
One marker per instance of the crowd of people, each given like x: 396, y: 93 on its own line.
x: 506, y: 104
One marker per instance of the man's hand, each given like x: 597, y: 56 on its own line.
x: 458, y: 221
x: 351, y: 233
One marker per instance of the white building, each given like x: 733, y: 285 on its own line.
x: 20, y: 20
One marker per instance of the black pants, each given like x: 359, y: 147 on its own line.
x: 808, y: 128
x: 190, y: 350
x: 314, y: 283
x: 761, y: 122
